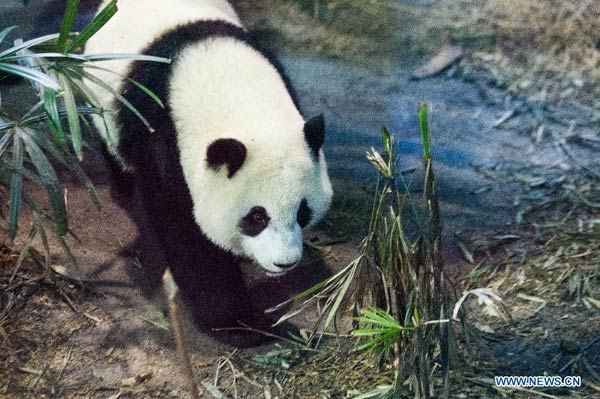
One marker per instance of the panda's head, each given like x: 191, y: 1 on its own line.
x: 258, y: 195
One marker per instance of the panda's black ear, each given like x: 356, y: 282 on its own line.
x: 228, y: 152
x: 314, y: 133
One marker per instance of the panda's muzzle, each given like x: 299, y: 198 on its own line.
x: 286, y: 265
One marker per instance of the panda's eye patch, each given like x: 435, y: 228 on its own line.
x: 304, y: 214
x: 255, y: 221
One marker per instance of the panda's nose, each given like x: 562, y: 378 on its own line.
x: 286, y: 265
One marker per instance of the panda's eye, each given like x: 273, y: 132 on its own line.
x: 255, y: 221
x: 304, y: 214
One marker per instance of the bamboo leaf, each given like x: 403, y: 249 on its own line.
x: 425, y: 133
x: 67, y: 24
x: 23, y: 171
x: 133, y: 57
x: 387, y: 140
x: 72, y: 117
x: 27, y: 200
x: 380, y: 318
x: 94, y: 26
x: 69, y: 162
x: 62, y: 56
x: 374, y: 343
x: 82, y: 90
x: 146, y: 90
x: 119, y: 97
x: 30, y: 74
x: 51, y: 107
x: 6, y: 125
x: 28, y: 44
x: 33, y: 109
x: 5, y: 141
x: 39, y: 118
x: 5, y: 32
x: 338, y: 300
x: 16, y: 188
x: 366, y: 332
x: 49, y: 180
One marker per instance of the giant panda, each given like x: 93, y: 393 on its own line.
x: 228, y: 171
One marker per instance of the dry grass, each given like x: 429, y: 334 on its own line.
x: 548, y: 50
x: 547, y: 271
x: 28, y: 295
x: 333, y: 372
x: 550, y: 282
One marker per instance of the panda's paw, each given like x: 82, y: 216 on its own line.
x: 246, y: 335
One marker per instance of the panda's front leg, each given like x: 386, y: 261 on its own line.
x: 219, y: 301
x: 209, y: 277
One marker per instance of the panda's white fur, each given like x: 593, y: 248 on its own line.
x: 136, y: 24
x: 279, y: 170
x: 250, y: 103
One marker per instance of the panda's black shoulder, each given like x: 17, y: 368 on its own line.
x: 171, y: 43
x: 156, y: 77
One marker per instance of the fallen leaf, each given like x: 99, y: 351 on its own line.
x: 590, y: 302
x: 468, y: 255
x: 445, y: 58
x: 484, y: 328
x: 531, y: 298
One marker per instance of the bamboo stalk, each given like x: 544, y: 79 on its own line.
x: 172, y: 294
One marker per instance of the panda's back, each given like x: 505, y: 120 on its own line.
x: 136, y: 25
x: 138, y: 22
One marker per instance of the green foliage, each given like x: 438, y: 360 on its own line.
x: 396, y: 284
x: 424, y: 125
x: 67, y: 25
x: 334, y: 289
x: 50, y: 132
x: 94, y: 26
x: 381, y: 329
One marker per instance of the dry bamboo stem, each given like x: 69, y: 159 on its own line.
x: 172, y: 293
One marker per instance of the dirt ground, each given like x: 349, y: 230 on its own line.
x: 109, y: 337
x: 110, y: 334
